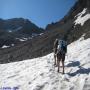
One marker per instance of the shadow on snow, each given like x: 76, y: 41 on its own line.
x: 81, y: 69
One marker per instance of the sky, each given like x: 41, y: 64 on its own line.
x: 40, y: 12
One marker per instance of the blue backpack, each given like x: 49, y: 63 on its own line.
x: 62, y: 46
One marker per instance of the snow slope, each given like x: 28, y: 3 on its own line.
x: 82, y: 19
x: 40, y: 73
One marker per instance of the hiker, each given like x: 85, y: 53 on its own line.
x: 61, y: 50
x: 55, y: 50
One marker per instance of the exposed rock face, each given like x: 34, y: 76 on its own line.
x: 16, y: 28
x: 72, y: 33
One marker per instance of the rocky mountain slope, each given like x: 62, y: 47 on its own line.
x: 73, y: 31
x: 69, y: 28
x: 12, y: 30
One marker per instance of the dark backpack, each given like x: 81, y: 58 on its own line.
x: 62, y: 46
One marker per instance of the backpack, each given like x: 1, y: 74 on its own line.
x: 62, y: 46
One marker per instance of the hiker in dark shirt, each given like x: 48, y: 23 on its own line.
x: 60, y: 50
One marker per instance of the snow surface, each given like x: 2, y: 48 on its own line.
x: 41, y: 34
x: 18, y: 28
x: 82, y: 19
x: 5, y: 46
x: 22, y: 39
x: 10, y: 31
x: 40, y: 73
x: 34, y: 34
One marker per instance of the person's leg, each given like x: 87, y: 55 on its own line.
x: 54, y: 59
x: 63, y: 59
x: 58, y: 63
x: 63, y: 66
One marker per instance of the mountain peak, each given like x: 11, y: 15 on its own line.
x: 17, y: 28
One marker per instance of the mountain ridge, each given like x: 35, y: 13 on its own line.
x: 11, y: 29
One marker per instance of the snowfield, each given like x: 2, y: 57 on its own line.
x: 82, y: 19
x: 40, y: 73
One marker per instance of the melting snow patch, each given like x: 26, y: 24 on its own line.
x: 82, y: 19
x: 41, y: 34
x: 12, y: 44
x: 22, y: 39
x: 18, y: 28
x: 83, y: 12
x: 10, y: 31
x: 4, y: 46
